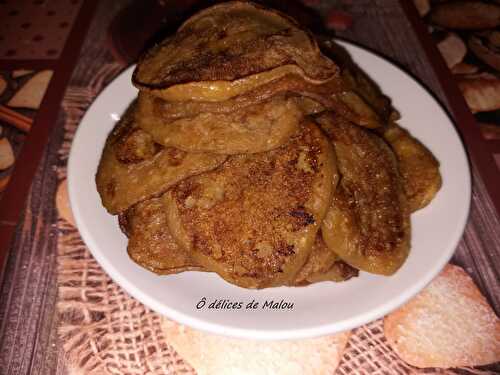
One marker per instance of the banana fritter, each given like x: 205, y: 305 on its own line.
x: 150, y: 243
x: 366, y: 98
x: 368, y: 223
x: 290, y: 84
x: 133, y: 167
x: 254, y: 219
x: 418, y: 167
x: 152, y: 246
x: 254, y: 128
x: 216, y: 48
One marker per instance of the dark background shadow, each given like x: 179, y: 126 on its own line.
x: 145, y: 22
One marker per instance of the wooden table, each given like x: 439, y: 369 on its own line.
x: 28, y: 322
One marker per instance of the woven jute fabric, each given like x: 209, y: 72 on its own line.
x: 103, y: 330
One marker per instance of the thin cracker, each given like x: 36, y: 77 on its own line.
x: 210, y: 354
x: 449, y: 324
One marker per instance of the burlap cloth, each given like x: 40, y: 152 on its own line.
x: 105, y: 331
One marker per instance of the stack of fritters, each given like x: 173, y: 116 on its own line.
x: 251, y: 154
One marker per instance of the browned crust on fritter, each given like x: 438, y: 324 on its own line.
x: 134, y: 168
x: 255, y: 128
x: 123, y: 223
x: 150, y: 243
x: 322, y: 264
x: 245, y: 219
x: 135, y: 146
x: 354, y: 78
x: 326, y: 95
x: 255, y: 55
x: 369, y: 201
x: 290, y: 83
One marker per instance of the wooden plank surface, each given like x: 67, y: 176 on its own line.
x: 12, y: 199
x: 28, y: 323
x: 28, y: 336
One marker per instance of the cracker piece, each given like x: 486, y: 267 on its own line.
x: 448, y: 324
x: 210, y: 354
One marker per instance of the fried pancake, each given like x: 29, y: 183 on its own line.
x: 254, y: 219
x: 418, y: 167
x: 323, y: 265
x: 133, y: 167
x: 368, y: 223
x: 362, y: 95
x: 356, y: 80
x: 150, y: 244
x: 366, y: 116
x: 290, y: 84
x: 227, y: 49
x: 254, y: 128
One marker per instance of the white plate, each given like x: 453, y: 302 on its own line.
x: 318, y: 309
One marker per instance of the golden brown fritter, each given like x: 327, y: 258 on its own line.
x: 290, y: 84
x: 228, y: 42
x: 418, y: 167
x: 133, y: 167
x: 254, y: 219
x: 323, y: 265
x: 368, y: 224
x: 254, y: 128
x: 356, y: 80
x: 365, y: 115
x: 362, y: 95
x: 150, y: 244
